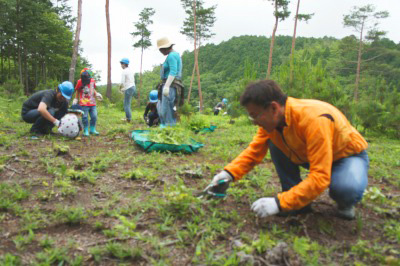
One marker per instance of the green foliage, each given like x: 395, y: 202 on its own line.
x: 195, y: 122
x: 141, y: 28
x: 170, y: 135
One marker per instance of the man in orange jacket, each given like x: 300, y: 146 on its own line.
x: 308, y: 133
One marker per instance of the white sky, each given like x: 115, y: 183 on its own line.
x: 234, y: 18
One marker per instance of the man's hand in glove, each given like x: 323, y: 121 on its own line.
x: 221, y: 182
x: 265, y: 207
x: 75, y: 101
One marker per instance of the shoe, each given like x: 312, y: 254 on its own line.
x: 126, y: 120
x: 86, y: 132
x: 304, y: 210
x: 93, y: 131
x: 347, y: 213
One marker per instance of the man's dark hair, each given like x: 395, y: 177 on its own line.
x: 262, y: 93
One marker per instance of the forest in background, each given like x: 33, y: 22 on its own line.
x: 324, y: 69
x: 37, y: 37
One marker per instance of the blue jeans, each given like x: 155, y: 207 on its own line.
x: 129, y: 93
x: 349, y: 176
x: 166, y: 108
x: 92, y: 111
x: 40, y: 124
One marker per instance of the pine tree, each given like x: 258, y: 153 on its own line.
x: 361, y: 19
x: 144, y: 37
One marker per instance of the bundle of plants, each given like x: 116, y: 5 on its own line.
x: 196, y: 123
x: 170, y: 135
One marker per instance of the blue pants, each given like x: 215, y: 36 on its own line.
x: 166, y: 108
x: 129, y: 93
x: 349, y: 176
x: 40, y: 124
x: 92, y: 111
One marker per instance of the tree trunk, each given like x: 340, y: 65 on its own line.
x: 108, y: 94
x: 76, y: 44
x: 19, y: 46
x: 358, y: 63
x: 271, y: 48
x: 191, y: 82
x: 196, y: 58
x: 140, y: 77
x: 26, y: 74
x: 293, y: 46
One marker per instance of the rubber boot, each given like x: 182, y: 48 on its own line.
x: 93, y: 131
x: 86, y: 132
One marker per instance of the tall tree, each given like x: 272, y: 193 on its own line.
x: 197, y: 27
x: 76, y: 43
x: 144, y: 37
x: 280, y: 13
x: 108, y: 93
x: 298, y: 17
x: 363, y: 19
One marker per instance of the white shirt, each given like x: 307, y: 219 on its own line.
x: 127, y: 79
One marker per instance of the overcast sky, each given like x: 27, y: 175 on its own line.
x: 234, y: 18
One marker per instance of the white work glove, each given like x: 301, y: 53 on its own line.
x: 57, y: 123
x: 223, y: 175
x: 99, y: 96
x: 168, y: 83
x: 75, y: 101
x: 265, y: 207
x: 220, y: 183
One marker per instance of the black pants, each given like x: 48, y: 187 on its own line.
x: 216, y: 111
x: 40, y: 124
x: 153, y: 119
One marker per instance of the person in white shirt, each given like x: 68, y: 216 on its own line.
x: 127, y: 87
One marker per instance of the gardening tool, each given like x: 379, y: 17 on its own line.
x: 216, y: 191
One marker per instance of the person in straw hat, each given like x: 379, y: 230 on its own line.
x: 171, y: 74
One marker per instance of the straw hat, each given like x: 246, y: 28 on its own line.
x: 164, y: 43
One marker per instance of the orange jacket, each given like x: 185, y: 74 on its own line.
x: 316, y: 133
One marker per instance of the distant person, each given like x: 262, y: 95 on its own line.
x: 127, y: 87
x: 150, y: 114
x: 171, y: 87
x: 45, y: 108
x: 307, y: 133
x: 71, y: 124
x: 221, y: 105
x: 85, y: 97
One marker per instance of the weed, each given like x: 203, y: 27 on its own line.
x: 392, y: 230
x: 308, y: 251
x: 10, y: 260
x: 66, y: 186
x: 140, y: 173
x: 23, y: 240
x: 87, y: 176
x: 71, y: 215
x: 374, y: 194
x: 122, y: 252
x: 46, y: 242
x: 57, y: 256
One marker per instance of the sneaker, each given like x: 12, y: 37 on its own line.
x: 304, y: 210
x: 347, y: 213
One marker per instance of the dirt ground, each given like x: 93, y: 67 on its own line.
x: 26, y: 166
